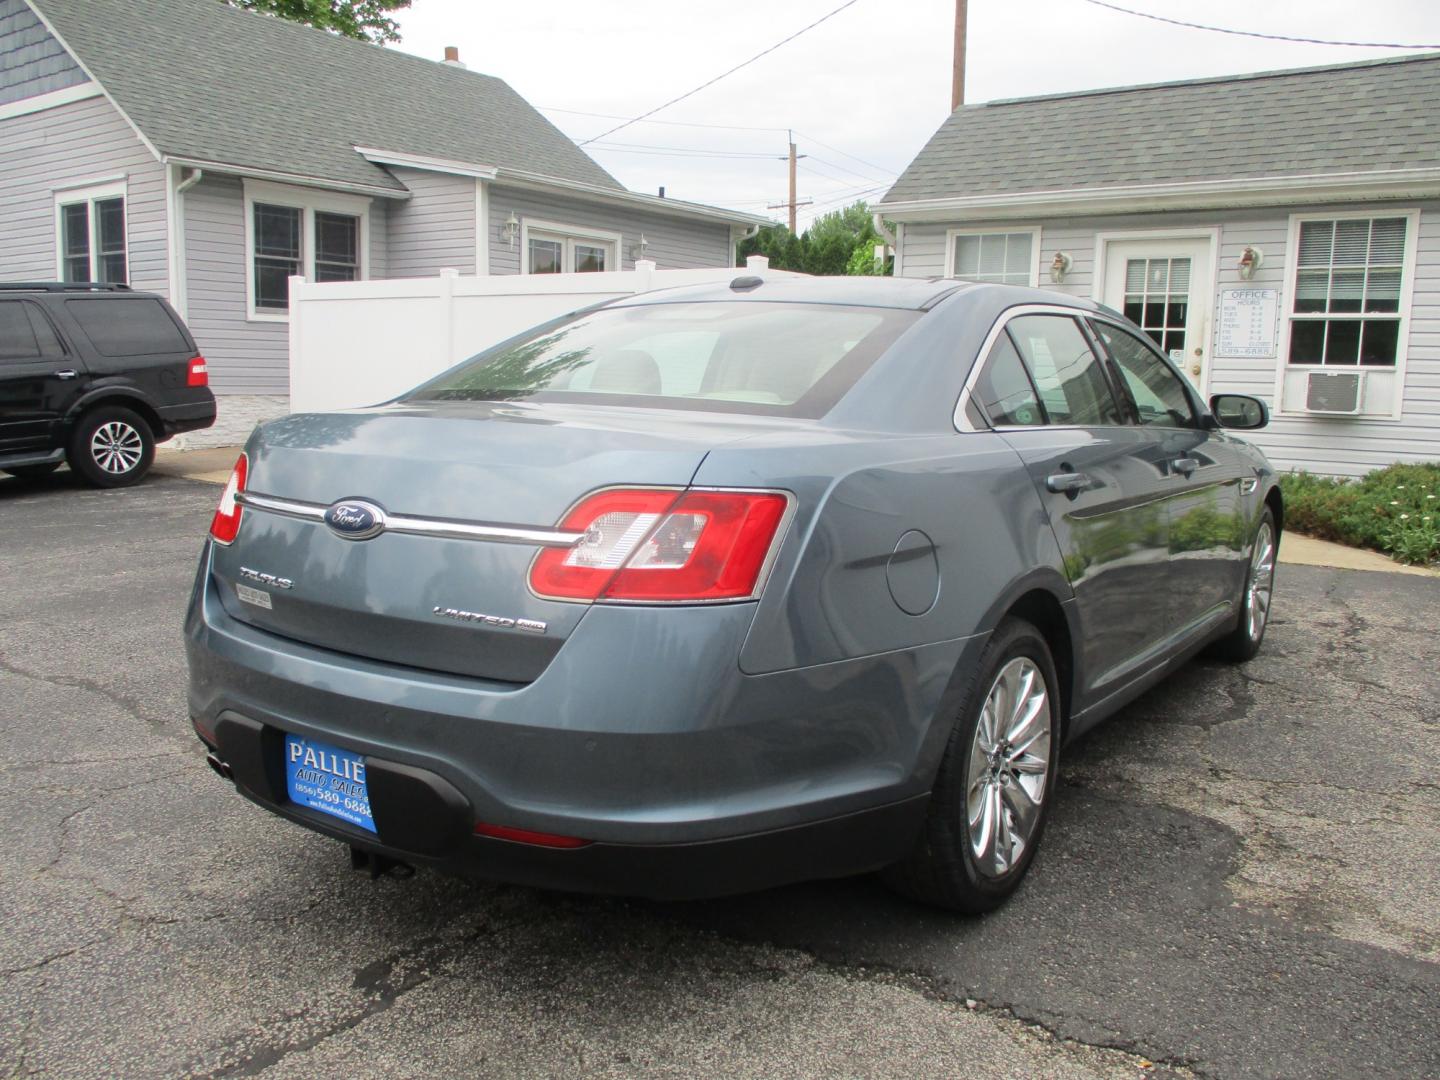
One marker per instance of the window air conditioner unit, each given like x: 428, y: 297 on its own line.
x: 1335, y: 392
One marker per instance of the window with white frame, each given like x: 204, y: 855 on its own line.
x: 1004, y: 257
x: 1347, y: 306
x: 564, y: 249
x: 90, y: 234
x: 294, y: 232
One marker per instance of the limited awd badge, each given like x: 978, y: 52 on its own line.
x: 355, y: 519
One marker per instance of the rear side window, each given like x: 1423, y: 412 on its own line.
x: 1065, y: 370
x: 753, y: 357
x: 1004, y: 392
x: 24, y: 333
x: 128, y: 326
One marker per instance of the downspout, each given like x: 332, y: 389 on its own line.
x: 179, y: 288
x: 883, y: 230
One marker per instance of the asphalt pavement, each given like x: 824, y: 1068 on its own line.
x: 1241, y: 878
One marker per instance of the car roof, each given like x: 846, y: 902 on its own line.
x: 918, y: 294
x: 70, y: 288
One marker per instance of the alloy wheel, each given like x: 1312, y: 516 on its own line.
x: 1262, y: 581
x: 116, y: 447
x: 1009, y: 767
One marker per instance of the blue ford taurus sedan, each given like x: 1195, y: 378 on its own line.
x: 716, y: 588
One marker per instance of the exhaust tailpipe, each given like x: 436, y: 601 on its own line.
x: 220, y: 768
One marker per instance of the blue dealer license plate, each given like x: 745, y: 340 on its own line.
x: 328, y: 779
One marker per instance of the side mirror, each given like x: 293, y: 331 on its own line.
x: 1240, y: 411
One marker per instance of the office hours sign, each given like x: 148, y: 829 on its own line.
x: 1248, y: 323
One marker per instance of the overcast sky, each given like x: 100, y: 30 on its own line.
x: 863, y: 91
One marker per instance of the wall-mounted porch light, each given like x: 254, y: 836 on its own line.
x: 637, y: 251
x: 1251, y: 259
x: 1060, y: 266
x: 511, y: 229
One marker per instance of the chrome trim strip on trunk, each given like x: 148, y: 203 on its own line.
x: 417, y: 526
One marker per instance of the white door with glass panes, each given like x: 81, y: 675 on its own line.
x: 1166, y: 286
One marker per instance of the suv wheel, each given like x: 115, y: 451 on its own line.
x: 993, y: 792
x: 111, y: 447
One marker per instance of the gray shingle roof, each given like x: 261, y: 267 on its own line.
x: 1371, y: 116
x: 208, y: 82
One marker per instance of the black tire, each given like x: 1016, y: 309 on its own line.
x: 32, y: 472
x: 111, y: 446
x: 943, y: 869
x: 1243, y: 642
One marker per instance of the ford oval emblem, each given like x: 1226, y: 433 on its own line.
x: 355, y: 519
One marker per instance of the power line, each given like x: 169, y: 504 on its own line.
x: 678, y: 151
x: 723, y: 74
x: 667, y: 123
x: 835, y: 149
x: 1255, y: 33
x: 850, y: 172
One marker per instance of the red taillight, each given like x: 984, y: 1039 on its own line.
x: 526, y: 836
x: 663, y: 546
x: 226, y: 522
x: 197, y: 374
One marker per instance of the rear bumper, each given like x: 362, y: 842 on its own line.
x: 424, y: 820
x: 190, y: 416
x: 642, y: 736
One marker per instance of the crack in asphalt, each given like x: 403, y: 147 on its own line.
x: 128, y: 705
x: 931, y: 988
x: 376, y: 981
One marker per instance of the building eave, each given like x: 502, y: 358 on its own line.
x: 428, y: 164
x: 279, y: 177
x: 621, y: 197
x: 1190, y: 195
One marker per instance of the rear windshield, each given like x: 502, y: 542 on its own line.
x: 754, y: 357
x: 129, y: 326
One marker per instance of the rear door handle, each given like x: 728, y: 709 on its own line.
x: 1183, y: 465
x: 68, y: 373
x: 1067, y: 483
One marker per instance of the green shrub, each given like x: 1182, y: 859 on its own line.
x: 1394, y: 510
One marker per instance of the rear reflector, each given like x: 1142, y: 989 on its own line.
x: 197, y: 374
x: 226, y: 522
x: 661, y: 546
x: 526, y: 836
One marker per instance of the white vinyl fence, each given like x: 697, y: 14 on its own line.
x: 355, y: 343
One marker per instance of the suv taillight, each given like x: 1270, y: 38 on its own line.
x: 197, y: 374
x: 226, y: 522
x: 661, y: 546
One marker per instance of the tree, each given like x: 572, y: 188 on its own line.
x: 840, y: 242
x: 364, y: 20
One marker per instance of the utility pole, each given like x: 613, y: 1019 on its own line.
x: 792, y: 203
x: 957, y: 83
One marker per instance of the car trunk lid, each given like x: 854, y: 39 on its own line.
x: 440, y: 601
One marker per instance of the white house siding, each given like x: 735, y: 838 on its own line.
x: 435, y: 228
x: 673, y: 243
x: 32, y: 61
x: 69, y: 146
x: 1346, y: 447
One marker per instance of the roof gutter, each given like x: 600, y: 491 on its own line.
x: 1189, y: 195
x: 286, y: 178
x: 672, y: 207
x: 597, y: 192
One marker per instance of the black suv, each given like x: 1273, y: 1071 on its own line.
x: 94, y: 375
